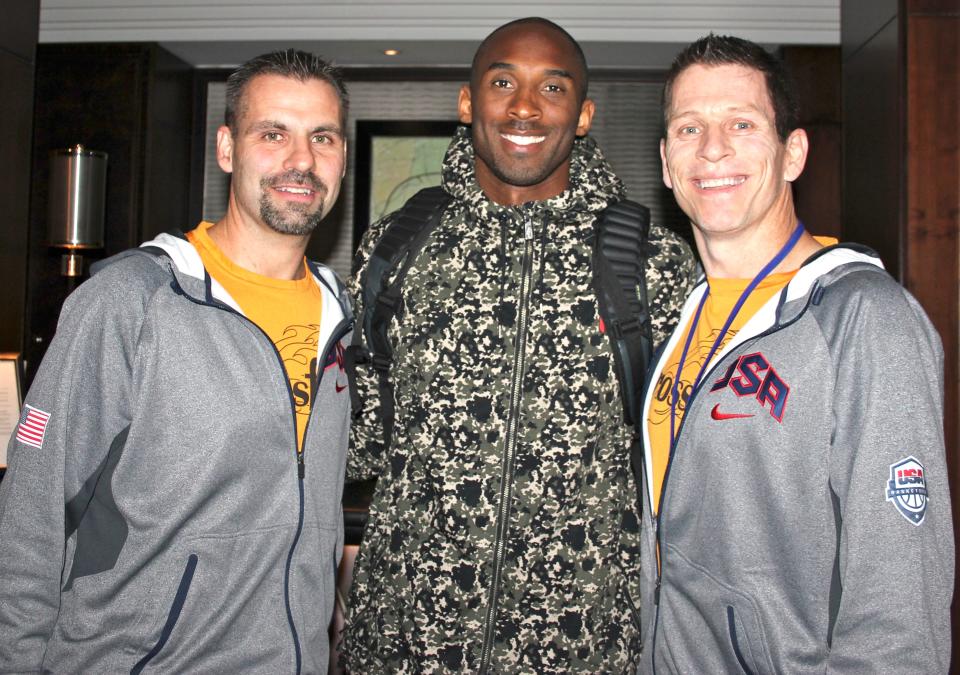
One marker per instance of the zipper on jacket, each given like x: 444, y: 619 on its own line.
x: 660, y: 547
x: 509, y: 448
x: 663, y: 489
x: 337, y: 334
x: 339, y: 331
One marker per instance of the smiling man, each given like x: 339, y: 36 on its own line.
x: 503, y: 535
x: 173, y: 497
x: 795, y: 484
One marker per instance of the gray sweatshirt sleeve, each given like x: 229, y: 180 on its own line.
x: 83, y: 386
x: 888, y: 476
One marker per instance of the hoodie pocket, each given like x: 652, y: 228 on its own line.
x: 172, y: 616
x: 736, y: 630
x: 708, y: 625
x: 228, y: 607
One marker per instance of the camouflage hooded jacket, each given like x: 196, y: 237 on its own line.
x: 503, y: 534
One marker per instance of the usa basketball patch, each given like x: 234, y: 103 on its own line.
x: 907, y: 489
x: 32, y: 426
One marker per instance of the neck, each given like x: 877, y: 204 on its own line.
x: 506, y: 194
x: 743, y: 255
x: 259, y: 249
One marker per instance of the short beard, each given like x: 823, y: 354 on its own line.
x: 522, y: 178
x: 295, y: 219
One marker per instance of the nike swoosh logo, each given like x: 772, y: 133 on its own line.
x: 717, y: 415
x: 339, y: 388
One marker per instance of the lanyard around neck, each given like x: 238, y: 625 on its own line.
x: 761, y: 275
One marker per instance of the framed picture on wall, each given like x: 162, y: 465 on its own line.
x: 11, y: 400
x: 395, y: 159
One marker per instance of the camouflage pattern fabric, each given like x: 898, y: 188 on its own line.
x: 503, y: 534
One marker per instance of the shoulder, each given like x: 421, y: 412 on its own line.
x: 671, y: 260
x: 866, y: 302
x: 110, y: 308
x: 125, y: 277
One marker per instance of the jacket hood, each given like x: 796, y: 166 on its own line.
x: 818, y: 272
x: 187, y: 266
x: 593, y: 184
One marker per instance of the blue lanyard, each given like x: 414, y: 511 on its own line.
x: 761, y: 275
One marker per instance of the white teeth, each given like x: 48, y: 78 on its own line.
x: 296, y: 191
x: 524, y: 140
x: 720, y: 182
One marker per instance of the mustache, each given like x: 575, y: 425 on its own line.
x: 519, y: 125
x: 294, y: 177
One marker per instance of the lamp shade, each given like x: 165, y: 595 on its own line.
x: 78, y: 183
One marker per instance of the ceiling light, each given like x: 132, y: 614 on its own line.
x: 391, y: 52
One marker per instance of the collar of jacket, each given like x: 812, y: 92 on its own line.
x: 815, y: 275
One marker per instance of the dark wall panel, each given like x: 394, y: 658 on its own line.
x: 16, y: 111
x: 19, y: 28
x: 816, y: 74
x: 18, y: 41
x: 872, y: 173
x: 861, y: 20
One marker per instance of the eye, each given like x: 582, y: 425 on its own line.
x: 321, y: 139
x: 501, y: 83
x: 273, y: 136
x: 688, y: 130
x: 740, y: 125
x: 554, y: 88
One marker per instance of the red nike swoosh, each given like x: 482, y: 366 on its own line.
x: 339, y: 388
x: 717, y: 415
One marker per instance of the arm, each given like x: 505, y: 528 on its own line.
x: 672, y: 272
x: 366, y: 431
x: 896, y: 576
x: 83, y: 384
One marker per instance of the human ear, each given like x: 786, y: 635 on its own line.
x: 587, y: 109
x: 225, y: 149
x: 465, y: 105
x: 795, y: 157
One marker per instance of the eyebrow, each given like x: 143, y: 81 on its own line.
x: 264, y: 125
x: 728, y: 109
x: 553, y: 72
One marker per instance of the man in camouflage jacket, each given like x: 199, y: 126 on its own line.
x: 503, y: 534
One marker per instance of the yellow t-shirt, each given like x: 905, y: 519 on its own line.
x: 287, y: 311
x: 724, y: 294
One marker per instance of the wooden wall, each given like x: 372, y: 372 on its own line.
x: 816, y: 75
x: 902, y: 168
x: 18, y: 43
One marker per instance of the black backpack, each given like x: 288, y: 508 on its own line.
x: 619, y: 261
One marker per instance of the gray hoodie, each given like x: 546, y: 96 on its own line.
x: 805, y: 523
x: 152, y: 517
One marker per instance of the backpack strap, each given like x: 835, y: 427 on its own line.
x: 619, y: 265
x: 619, y: 275
x: 382, y: 297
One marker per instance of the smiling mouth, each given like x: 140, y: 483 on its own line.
x: 294, y: 190
x: 523, y: 140
x: 713, y: 183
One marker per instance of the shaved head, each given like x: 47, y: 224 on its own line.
x: 533, y: 22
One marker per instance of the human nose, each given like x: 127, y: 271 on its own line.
x: 523, y: 104
x: 714, y: 145
x: 300, y: 156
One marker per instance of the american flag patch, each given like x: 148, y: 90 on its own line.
x: 33, y: 424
